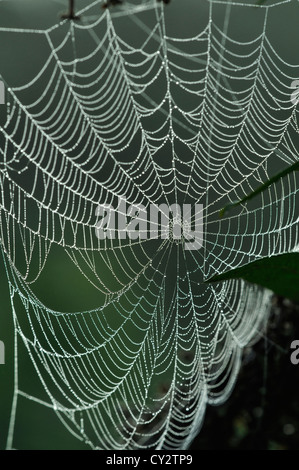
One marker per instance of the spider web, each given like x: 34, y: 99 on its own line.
x: 121, y: 107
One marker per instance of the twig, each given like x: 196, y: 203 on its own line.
x: 286, y: 171
x: 70, y: 15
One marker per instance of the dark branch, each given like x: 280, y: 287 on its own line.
x: 70, y: 15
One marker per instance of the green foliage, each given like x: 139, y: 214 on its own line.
x: 278, y: 273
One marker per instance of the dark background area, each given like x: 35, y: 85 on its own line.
x: 263, y: 411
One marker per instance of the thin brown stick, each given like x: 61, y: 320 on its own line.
x: 70, y: 15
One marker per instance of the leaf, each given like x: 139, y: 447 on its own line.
x: 277, y: 273
x: 286, y: 171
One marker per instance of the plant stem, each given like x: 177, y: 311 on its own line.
x: 71, y: 13
x: 261, y: 188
